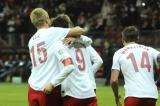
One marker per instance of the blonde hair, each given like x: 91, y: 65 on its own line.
x: 38, y: 17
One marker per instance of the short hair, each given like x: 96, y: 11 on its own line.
x: 62, y: 21
x: 38, y: 17
x: 130, y: 34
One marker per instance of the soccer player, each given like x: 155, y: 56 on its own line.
x: 135, y: 61
x: 78, y: 88
x: 93, y: 55
x: 47, y: 53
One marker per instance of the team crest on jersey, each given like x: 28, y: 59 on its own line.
x: 60, y: 52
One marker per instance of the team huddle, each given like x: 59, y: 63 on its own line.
x: 64, y: 64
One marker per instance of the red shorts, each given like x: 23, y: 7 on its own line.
x: 133, y: 101
x: 55, y: 99
x: 71, y: 101
x: 38, y: 98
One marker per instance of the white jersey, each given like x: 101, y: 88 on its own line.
x: 46, y: 54
x: 78, y: 84
x: 95, y: 61
x: 136, y: 63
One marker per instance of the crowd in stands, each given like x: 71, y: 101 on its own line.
x: 15, y: 65
x: 103, y: 19
x: 100, y: 17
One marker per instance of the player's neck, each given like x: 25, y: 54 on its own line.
x: 43, y: 27
x: 128, y: 43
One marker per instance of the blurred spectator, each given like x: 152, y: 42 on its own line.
x: 24, y: 68
x: 9, y: 68
x: 81, y: 20
x: 1, y: 66
x: 94, y: 15
x: 14, y: 66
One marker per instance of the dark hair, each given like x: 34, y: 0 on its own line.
x: 130, y: 34
x: 62, y: 21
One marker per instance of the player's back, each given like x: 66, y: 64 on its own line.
x: 136, y: 63
x: 44, y: 62
x: 78, y: 84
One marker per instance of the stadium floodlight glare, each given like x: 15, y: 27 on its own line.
x: 143, y: 4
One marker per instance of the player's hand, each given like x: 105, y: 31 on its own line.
x: 119, y: 101
x: 48, y: 88
x: 69, y: 41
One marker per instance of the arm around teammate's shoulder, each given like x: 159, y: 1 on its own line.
x: 76, y: 31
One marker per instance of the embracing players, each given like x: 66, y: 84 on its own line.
x: 77, y: 88
x: 47, y: 54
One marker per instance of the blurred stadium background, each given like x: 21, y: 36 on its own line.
x: 103, y: 19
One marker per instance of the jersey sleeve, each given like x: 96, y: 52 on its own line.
x: 154, y: 53
x: 85, y: 40
x: 95, y: 58
x: 62, y: 75
x: 116, y: 64
x: 59, y: 33
x: 61, y: 51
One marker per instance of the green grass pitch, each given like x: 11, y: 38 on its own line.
x: 16, y: 95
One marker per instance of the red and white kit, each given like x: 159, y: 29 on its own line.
x: 47, y: 54
x: 136, y: 62
x: 78, y: 88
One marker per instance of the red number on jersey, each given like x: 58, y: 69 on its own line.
x: 133, y: 60
x: 33, y: 56
x: 42, y: 53
x: 144, y: 61
x: 80, y: 59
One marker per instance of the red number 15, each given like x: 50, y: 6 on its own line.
x: 40, y: 50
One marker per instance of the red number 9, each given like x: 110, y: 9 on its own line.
x: 80, y: 59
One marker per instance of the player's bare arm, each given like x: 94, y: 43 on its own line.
x: 114, y: 85
x: 67, y: 23
x: 76, y: 31
x: 69, y: 40
x: 84, y: 40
